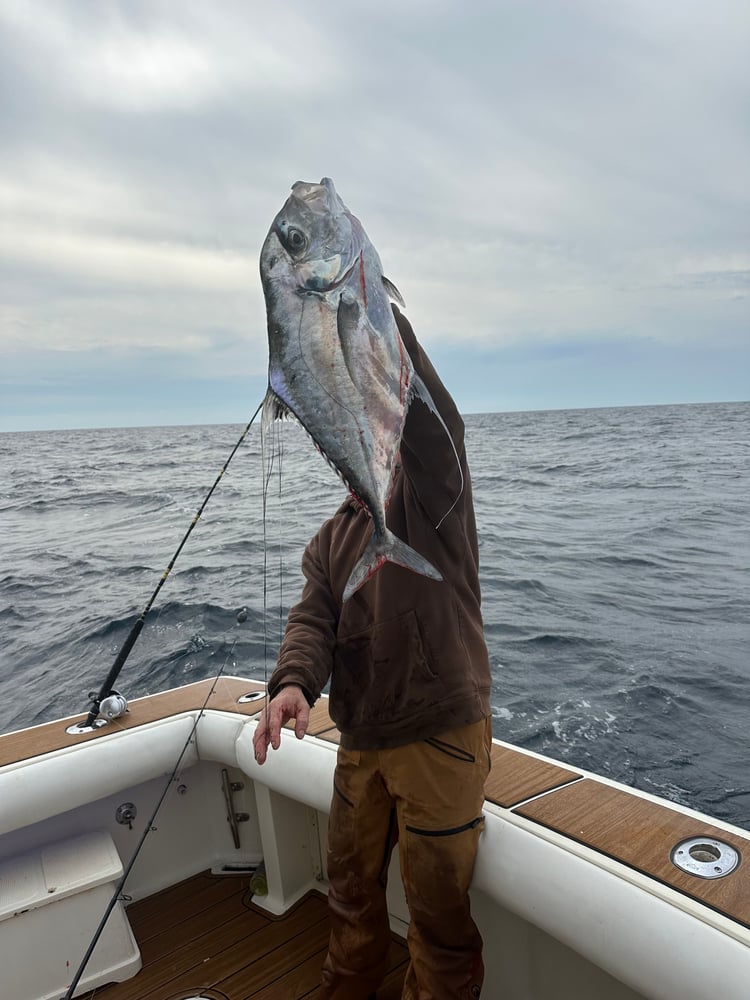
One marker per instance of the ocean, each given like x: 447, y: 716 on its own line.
x: 614, y: 547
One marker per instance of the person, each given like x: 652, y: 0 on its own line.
x: 409, y: 691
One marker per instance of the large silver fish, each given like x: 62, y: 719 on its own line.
x: 336, y: 360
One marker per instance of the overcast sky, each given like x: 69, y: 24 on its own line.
x: 560, y: 190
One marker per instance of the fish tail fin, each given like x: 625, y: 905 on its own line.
x: 421, y: 390
x: 382, y: 549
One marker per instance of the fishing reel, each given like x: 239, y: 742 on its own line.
x: 114, y: 706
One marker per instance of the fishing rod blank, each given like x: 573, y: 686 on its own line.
x: 149, y: 827
x: 107, y: 686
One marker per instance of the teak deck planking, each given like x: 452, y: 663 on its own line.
x: 641, y: 834
x: 206, y: 937
x: 220, y: 696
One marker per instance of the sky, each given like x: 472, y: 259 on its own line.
x: 558, y: 189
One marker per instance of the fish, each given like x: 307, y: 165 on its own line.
x: 336, y: 360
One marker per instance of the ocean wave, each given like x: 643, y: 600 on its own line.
x: 614, y: 577
x: 554, y: 639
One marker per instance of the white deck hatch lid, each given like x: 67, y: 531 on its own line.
x: 31, y: 880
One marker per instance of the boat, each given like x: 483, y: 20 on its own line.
x: 147, y: 856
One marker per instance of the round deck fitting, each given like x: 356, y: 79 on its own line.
x: 80, y: 728
x: 705, y: 857
x: 252, y: 696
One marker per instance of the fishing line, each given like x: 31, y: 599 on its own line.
x: 272, y: 454
x: 265, y: 473
x: 281, y: 535
x: 106, y: 688
x: 147, y: 829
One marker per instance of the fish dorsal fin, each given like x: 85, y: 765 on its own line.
x: 393, y: 292
x: 418, y: 388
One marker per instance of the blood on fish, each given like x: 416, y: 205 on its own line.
x: 403, y: 386
x: 362, y: 278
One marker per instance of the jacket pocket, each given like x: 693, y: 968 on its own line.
x: 382, y: 672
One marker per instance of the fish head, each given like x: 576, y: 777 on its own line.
x: 314, y: 241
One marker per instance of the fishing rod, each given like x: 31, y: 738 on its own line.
x: 149, y: 827
x: 107, y: 687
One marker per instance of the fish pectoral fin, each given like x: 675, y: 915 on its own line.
x: 383, y: 549
x: 418, y: 388
x: 393, y: 293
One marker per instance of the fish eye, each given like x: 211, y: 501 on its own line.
x: 295, y: 240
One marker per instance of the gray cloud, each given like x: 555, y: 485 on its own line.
x: 529, y: 173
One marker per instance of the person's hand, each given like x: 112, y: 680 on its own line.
x: 289, y: 703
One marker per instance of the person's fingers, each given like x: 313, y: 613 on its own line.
x: 261, y: 738
x: 277, y: 717
x: 302, y: 721
x: 290, y: 703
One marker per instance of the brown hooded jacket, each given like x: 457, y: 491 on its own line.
x: 405, y: 655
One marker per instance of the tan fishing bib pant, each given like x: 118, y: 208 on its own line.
x: 428, y: 797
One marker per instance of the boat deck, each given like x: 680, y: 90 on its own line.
x: 205, y: 937
x: 638, y: 832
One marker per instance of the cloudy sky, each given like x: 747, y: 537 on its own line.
x: 559, y: 188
